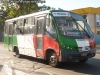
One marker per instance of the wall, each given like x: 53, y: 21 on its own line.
x: 91, y: 20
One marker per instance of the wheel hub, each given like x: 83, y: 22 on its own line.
x: 52, y: 59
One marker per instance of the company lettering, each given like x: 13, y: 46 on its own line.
x: 61, y: 13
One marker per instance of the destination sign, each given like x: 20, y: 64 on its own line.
x: 67, y: 14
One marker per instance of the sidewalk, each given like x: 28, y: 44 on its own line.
x: 2, y: 45
x: 97, y: 47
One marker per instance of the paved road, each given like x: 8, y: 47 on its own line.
x: 32, y: 66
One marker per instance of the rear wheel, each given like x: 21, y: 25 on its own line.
x: 83, y: 60
x: 17, y: 54
x: 53, y: 59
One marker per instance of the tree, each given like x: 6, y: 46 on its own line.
x: 44, y: 7
x: 2, y: 17
x: 15, y: 8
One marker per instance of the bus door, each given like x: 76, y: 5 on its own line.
x: 10, y: 36
x: 39, y: 37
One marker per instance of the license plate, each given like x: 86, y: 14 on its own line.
x: 84, y: 54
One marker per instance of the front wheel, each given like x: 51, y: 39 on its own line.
x: 53, y: 60
x: 83, y: 60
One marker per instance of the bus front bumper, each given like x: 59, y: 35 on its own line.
x: 73, y: 55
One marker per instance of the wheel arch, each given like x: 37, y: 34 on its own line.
x: 15, y: 48
x: 47, y: 53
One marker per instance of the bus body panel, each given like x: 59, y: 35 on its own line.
x: 82, y: 43
x: 73, y: 55
x: 67, y: 43
x: 26, y: 45
x: 66, y: 47
x: 39, y: 52
x: 14, y: 40
x: 50, y: 43
x: 6, y: 41
x: 39, y: 32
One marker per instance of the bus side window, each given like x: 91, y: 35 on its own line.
x: 25, y: 26
x: 47, y: 20
x: 10, y: 29
x: 20, y: 26
x: 47, y: 23
x: 6, y: 29
x: 31, y: 23
x: 15, y: 27
x: 50, y: 30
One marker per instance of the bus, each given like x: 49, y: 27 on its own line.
x: 53, y: 35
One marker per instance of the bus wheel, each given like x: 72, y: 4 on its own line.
x: 17, y: 53
x: 83, y: 60
x: 53, y: 60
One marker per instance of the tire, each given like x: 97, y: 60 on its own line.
x: 52, y: 59
x: 17, y: 53
x: 83, y: 60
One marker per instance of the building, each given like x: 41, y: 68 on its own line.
x: 92, y: 16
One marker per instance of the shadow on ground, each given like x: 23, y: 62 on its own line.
x: 1, y: 66
x: 91, y: 67
x: 34, y: 59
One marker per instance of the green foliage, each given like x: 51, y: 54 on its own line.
x: 12, y: 12
x: 24, y: 8
x: 27, y: 8
x: 44, y: 7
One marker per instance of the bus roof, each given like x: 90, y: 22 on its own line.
x: 37, y: 13
x: 28, y: 15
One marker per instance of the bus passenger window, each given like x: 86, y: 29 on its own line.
x: 47, y: 21
x: 19, y: 26
x: 15, y: 27
x: 6, y: 28
x: 31, y: 29
x: 21, y: 23
x: 25, y: 26
x: 10, y: 29
x: 40, y: 23
x: 51, y: 31
x: 32, y: 21
x: 31, y: 25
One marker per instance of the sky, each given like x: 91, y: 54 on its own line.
x: 71, y: 4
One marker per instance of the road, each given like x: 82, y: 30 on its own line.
x: 31, y: 66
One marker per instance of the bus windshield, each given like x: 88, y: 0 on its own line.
x: 72, y: 25
x: 72, y: 28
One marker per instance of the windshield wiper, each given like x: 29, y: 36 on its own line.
x: 82, y: 28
